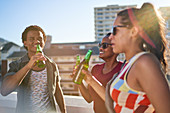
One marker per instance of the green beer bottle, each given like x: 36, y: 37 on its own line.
x: 77, y: 61
x: 40, y: 64
x: 79, y: 76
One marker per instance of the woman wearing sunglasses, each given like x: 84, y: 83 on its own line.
x: 102, y: 73
x: 140, y: 86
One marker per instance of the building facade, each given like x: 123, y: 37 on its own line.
x: 104, y: 18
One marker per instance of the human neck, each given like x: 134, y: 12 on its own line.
x: 109, y: 65
x: 130, y: 54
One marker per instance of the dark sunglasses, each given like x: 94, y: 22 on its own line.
x: 113, y: 31
x: 104, y: 45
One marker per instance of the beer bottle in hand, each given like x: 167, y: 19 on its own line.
x: 40, y: 64
x: 77, y: 61
x: 79, y: 76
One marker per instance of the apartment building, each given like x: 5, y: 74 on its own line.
x: 104, y: 17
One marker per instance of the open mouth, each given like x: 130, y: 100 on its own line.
x: 101, y: 52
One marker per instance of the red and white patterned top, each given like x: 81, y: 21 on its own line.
x: 126, y: 99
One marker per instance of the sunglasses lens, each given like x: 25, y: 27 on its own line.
x: 104, y: 46
x: 114, y: 30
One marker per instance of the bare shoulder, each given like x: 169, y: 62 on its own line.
x: 147, y: 67
x: 148, y: 60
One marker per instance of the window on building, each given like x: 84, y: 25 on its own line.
x: 107, y: 30
x: 99, y: 18
x: 100, y: 34
x: 100, y: 22
x: 99, y: 9
x: 107, y: 9
x: 113, y: 17
x: 107, y: 17
x: 100, y: 30
x: 99, y: 13
x: 113, y: 9
x: 82, y: 47
x: 99, y: 26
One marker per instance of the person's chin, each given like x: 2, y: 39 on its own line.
x: 101, y: 56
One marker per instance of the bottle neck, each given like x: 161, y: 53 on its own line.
x: 39, y: 49
x: 78, y: 60
x: 87, y: 57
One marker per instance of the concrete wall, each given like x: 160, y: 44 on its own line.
x: 74, y: 104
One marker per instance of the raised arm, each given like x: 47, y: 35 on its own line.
x: 85, y: 92
x: 15, y: 77
x: 95, y: 84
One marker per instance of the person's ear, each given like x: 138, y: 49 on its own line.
x: 25, y: 44
x: 135, y: 31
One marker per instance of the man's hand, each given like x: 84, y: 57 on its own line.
x: 33, y: 59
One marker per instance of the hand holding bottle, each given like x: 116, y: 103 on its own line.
x: 75, y: 67
x: 33, y: 60
x: 40, y: 63
x: 79, y: 76
x: 88, y: 76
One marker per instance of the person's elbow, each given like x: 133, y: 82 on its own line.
x: 4, y: 92
x: 88, y: 100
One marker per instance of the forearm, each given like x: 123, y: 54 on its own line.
x: 60, y: 100
x: 85, y: 93
x: 98, y: 87
x: 10, y: 83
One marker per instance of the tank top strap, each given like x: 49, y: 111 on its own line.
x: 131, y: 61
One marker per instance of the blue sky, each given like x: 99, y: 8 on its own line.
x: 65, y: 20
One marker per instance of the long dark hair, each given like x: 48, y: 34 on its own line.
x: 153, y: 25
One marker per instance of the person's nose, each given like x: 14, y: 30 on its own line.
x: 100, y: 48
x: 111, y: 36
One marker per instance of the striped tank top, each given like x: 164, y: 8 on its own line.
x: 126, y: 99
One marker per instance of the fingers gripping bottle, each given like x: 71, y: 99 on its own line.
x: 40, y: 64
x: 79, y: 76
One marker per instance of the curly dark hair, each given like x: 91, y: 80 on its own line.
x: 32, y: 28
